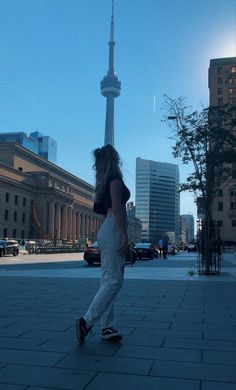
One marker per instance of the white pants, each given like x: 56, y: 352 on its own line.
x: 112, y: 275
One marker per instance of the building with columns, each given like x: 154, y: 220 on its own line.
x: 40, y: 200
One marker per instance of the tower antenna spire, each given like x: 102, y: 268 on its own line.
x: 110, y: 86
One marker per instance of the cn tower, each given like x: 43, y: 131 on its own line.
x: 110, y: 87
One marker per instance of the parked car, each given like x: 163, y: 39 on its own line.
x: 9, y: 247
x: 146, y: 250
x: 92, y: 254
x: 192, y: 248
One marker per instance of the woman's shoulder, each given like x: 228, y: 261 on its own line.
x: 114, y: 177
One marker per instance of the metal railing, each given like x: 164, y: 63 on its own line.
x: 209, y: 252
x: 52, y: 249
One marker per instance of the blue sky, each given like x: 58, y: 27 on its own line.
x: 54, y: 53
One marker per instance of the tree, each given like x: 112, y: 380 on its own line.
x: 207, y: 139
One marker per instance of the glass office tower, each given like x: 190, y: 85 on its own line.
x: 157, y: 199
x: 36, y: 142
x: 47, y: 146
x: 20, y: 138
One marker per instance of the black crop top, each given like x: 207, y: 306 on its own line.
x: 100, y: 207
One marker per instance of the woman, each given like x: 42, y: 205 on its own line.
x: 111, y: 196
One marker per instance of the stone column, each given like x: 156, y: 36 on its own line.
x: 69, y: 223
x: 58, y: 222
x: 73, y: 225
x: 86, y: 226
x: 89, y: 227
x: 64, y: 223
x: 78, y: 225
x: 82, y: 225
x: 51, y: 220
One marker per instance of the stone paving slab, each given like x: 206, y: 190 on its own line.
x: 103, y: 363
x: 135, y: 382
x: 159, y: 353
x: 20, y: 343
x: 219, y: 357
x: 29, y: 357
x: 56, y: 378
x: 5, y: 386
x: 217, y: 386
x: 196, y: 371
x: 211, y: 345
x: 175, y: 336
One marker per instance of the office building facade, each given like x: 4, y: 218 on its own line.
x: 157, y: 199
x: 187, y: 223
x: 222, y: 90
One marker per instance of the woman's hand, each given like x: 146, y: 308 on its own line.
x: 124, y: 245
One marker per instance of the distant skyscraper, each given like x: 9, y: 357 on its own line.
x: 110, y: 87
x: 36, y: 142
x: 222, y: 90
x: 157, y: 198
x: 47, y: 146
x: 188, y: 221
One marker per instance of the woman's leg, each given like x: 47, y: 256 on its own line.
x: 112, y: 269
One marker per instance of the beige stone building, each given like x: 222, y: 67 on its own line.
x: 222, y: 89
x: 38, y: 199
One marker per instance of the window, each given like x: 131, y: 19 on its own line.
x: 22, y: 234
x: 220, y: 101
x: 220, y: 91
x: 232, y: 200
x: 24, y: 202
x: 220, y: 70
x: 23, y: 218
x: 234, y: 223
x: 5, y: 233
x: 16, y: 199
x: 233, y: 69
x: 220, y: 80
x: 220, y: 223
x: 6, y: 215
x: 15, y: 216
x: 220, y: 206
x: 232, y: 205
x: 232, y: 101
x: 232, y: 80
x: 7, y: 197
x: 14, y: 233
x: 220, y: 193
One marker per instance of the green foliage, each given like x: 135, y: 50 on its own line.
x: 206, y: 139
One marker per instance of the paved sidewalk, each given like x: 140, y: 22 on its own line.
x: 178, y: 334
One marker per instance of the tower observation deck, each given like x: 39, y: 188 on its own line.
x: 110, y: 87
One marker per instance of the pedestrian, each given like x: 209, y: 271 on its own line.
x: 164, y: 247
x: 111, y: 195
x: 160, y: 243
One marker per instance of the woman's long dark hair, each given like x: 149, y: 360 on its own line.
x: 106, y: 164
